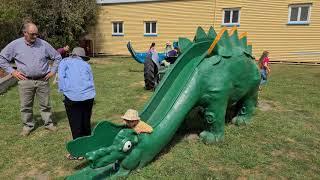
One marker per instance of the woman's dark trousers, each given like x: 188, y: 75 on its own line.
x: 79, y: 114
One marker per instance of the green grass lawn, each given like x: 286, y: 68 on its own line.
x: 283, y: 140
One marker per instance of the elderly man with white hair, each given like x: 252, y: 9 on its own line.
x: 31, y: 55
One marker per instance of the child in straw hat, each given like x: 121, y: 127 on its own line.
x: 132, y: 120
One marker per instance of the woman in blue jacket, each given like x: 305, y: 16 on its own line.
x: 76, y: 84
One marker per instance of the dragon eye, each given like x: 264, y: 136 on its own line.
x: 127, y: 146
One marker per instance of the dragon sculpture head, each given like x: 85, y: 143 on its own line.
x: 122, y: 145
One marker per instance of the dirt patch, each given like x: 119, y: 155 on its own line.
x: 59, y: 172
x: 290, y: 140
x: 268, y: 105
x: 142, y: 98
x: 34, y: 173
x: 264, y: 105
x: 191, y: 137
x: 216, y: 168
x: 137, y: 84
x: 253, y: 174
x: 276, y: 153
x: 310, y: 127
x: 275, y: 167
x: 289, y: 153
x: 44, y: 176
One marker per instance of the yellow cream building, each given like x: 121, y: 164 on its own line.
x: 288, y: 29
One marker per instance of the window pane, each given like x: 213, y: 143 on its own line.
x: 147, y: 27
x: 154, y: 27
x: 294, y: 14
x: 121, y: 27
x: 115, y: 28
x: 304, y: 14
x: 227, y: 16
x: 235, y: 16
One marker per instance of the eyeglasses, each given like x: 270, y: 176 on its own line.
x: 33, y: 34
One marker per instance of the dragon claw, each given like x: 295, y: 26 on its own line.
x: 210, y: 138
x: 240, y: 120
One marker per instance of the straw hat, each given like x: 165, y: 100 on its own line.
x: 131, y: 115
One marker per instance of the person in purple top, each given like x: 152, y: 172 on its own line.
x: 31, y: 55
x: 64, y: 51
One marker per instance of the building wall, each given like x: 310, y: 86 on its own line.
x: 266, y: 24
x: 174, y: 19
x: 264, y: 20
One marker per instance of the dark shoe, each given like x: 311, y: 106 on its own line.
x: 25, y: 131
x: 51, y: 127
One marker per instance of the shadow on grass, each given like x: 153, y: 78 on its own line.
x: 56, y: 117
x: 135, y: 70
x: 82, y: 165
x: 178, y: 137
x: 193, y: 125
x: 9, y: 88
x: 94, y: 124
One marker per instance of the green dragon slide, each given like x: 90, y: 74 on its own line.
x: 215, y: 71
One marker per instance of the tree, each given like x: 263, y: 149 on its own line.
x: 59, y: 22
x: 10, y: 21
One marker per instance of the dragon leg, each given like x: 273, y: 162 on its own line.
x: 131, y: 162
x: 215, y: 117
x: 103, y: 161
x: 122, y: 172
x: 248, y: 106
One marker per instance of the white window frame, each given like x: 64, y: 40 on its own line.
x: 231, y: 14
x: 151, y: 33
x: 117, y: 33
x: 299, y: 13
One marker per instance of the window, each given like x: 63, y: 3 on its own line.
x: 231, y: 17
x: 150, y: 28
x: 299, y: 14
x: 117, y: 28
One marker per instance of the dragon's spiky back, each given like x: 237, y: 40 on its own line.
x: 225, y: 43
